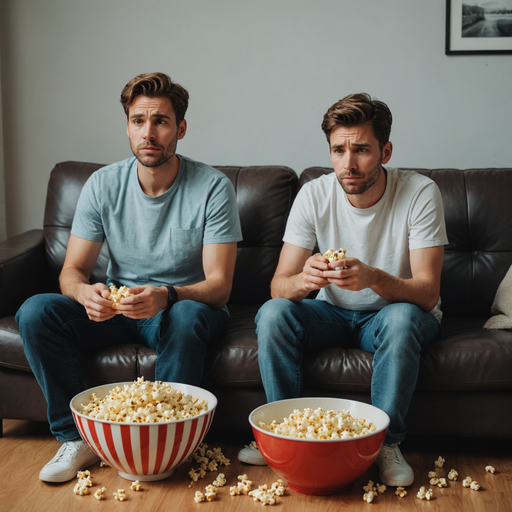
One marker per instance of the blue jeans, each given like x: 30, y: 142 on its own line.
x: 395, y: 335
x: 54, y: 330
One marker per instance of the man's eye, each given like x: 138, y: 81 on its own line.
x: 137, y: 121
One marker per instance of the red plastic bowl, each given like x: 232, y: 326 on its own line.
x: 318, y: 467
x: 144, y: 451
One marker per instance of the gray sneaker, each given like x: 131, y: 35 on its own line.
x: 73, y: 456
x: 394, y: 470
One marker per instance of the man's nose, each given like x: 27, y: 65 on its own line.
x: 350, y: 160
x: 149, y: 132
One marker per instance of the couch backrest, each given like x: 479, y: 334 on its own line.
x: 264, y: 197
x: 478, y: 214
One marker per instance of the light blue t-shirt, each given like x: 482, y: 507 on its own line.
x: 157, y: 240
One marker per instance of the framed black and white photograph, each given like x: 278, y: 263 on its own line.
x: 478, y: 27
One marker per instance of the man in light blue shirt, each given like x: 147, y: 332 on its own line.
x: 171, y: 225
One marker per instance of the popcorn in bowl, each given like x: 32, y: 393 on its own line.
x: 144, y: 429
x: 144, y: 402
x: 320, y: 424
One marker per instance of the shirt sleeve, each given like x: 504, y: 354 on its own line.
x: 87, y: 222
x: 300, y: 227
x: 222, y: 219
x: 427, y: 227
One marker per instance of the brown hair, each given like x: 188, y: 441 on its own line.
x: 356, y: 109
x: 156, y: 84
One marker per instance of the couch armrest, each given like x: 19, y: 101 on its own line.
x: 22, y: 270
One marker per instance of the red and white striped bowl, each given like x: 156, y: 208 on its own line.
x: 144, y: 451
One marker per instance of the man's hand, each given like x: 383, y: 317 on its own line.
x: 94, y: 298
x: 146, y: 302
x: 357, y: 276
x: 313, y: 273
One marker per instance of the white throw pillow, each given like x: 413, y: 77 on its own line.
x: 502, y: 305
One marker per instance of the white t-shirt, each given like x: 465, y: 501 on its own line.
x: 408, y: 216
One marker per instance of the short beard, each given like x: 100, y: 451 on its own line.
x: 165, y: 156
x: 157, y: 163
x: 366, y: 185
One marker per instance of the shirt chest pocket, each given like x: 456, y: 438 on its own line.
x: 186, y: 250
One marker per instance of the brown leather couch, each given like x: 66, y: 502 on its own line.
x: 465, y: 381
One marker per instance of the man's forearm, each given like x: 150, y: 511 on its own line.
x: 419, y: 291
x: 70, y: 280
x: 288, y: 287
x: 214, y: 292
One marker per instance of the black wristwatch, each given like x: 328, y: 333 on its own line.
x: 172, y: 297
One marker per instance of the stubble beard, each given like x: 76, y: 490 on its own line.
x: 371, y: 179
x: 150, y: 161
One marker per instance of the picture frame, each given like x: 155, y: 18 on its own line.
x: 474, y: 30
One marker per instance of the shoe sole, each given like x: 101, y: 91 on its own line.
x: 397, y: 483
x: 69, y: 475
x: 248, y: 458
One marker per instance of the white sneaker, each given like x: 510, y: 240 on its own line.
x: 72, y: 457
x: 251, y: 455
x: 394, y: 470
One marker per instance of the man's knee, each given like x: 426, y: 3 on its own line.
x: 190, y: 312
x: 38, y: 307
x: 273, y: 311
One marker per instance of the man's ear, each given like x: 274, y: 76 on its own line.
x: 182, y: 129
x: 387, y: 151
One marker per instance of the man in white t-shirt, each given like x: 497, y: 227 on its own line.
x: 386, y: 298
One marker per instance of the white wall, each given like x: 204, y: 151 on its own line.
x: 260, y: 74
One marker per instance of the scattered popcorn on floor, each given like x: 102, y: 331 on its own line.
x: 442, y: 482
x: 278, y: 488
x: 470, y: 483
x: 434, y: 481
x: 100, y: 493
x: 103, y: 464
x: 467, y: 481
x: 439, y: 462
x: 489, y: 469
x: 208, y: 460
x: 211, y: 492
x: 432, y: 474
x: 370, y: 487
x: 84, y: 481
x: 423, y: 494
x: 199, y: 497
x: 264, y: 495
x: 400, y: 491
x: 381, y: 488
x: 252, y: 445
x: 220, y: 481
x: 80, y: 490
x: 452, y: 475
x: 368, y: 496
x: 136, y: 486
x: 120, y: 495
x: 243, y: 487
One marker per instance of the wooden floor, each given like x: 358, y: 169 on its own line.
x: 27, y: 446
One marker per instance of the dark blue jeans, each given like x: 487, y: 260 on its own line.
x: 395, y: 334
x: 54, y: 330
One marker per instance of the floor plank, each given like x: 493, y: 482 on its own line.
x: 27, y: 446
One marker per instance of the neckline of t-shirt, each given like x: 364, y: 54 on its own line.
x: 168, y: 193
x: 378, y: 205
